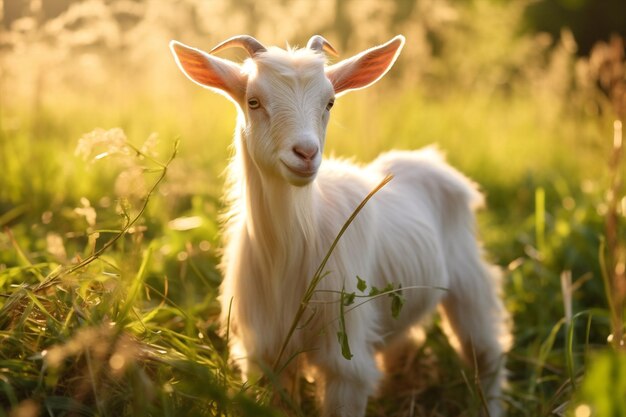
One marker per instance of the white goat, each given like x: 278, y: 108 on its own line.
x: 286, y: 210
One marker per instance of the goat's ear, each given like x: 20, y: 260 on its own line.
x: 210, y: 71
x: 365, y: 68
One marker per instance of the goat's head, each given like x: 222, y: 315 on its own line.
x: 285, y: 96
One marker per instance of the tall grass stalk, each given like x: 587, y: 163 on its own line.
x: 613, y: 254
x: 567, y: 292
x: 540, y: 220
x: 320, y: 274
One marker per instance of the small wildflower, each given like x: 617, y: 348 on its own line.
x: 149, y: 147
x: 101, y: 143
x: 131, y: 183
x: 87, y: 211
x: 55, y: 246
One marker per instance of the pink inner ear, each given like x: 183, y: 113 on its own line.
x: 197, y: 67
x: 364, y: 69
x: 200, y: 69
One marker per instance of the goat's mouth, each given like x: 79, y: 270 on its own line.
x: 300, y: 176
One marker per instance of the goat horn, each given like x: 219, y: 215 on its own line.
x: 318, y: 43
x: 242, y: 41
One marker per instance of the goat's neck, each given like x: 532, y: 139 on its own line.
x: 280, y: 218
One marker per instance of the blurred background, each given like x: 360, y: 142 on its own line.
x: 517, y: 86
x: 525, y: 97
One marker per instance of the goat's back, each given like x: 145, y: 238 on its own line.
x: 403, y: 233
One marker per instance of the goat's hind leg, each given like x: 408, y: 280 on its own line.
x: 478, y: 321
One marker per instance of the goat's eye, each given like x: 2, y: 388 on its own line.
x: 254, y: 103
x: 330, y: 104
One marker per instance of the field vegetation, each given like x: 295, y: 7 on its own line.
x: 110, y: 193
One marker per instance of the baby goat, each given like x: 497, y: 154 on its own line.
x: 285, y: 210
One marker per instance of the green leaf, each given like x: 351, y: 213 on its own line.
x: 361, y: 284
x: 342, y: 337
x: 373, y: 292
x: 397, y: 302
x: 348, y: 298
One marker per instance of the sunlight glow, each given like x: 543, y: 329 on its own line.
x: 185, y: 223
x: 617, y: 137
x: 117, y: 361
x: 583, y: 410
x: 89, y: 232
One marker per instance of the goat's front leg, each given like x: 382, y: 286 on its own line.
x: 343, y: 398
x: 348, y: 384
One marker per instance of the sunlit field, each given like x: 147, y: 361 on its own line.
x: 111, y: 179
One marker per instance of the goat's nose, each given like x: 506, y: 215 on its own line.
x: 306, y: 151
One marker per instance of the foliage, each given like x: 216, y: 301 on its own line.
x: 108, y: 256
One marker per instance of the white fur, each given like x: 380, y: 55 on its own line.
x: 416, y: 231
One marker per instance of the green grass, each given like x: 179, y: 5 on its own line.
x: 129, y: 327
x: 108, y: 267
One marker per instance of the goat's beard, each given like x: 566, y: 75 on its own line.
x: 301, y: 181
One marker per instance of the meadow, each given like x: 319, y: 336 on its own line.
x: 110, y: 194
